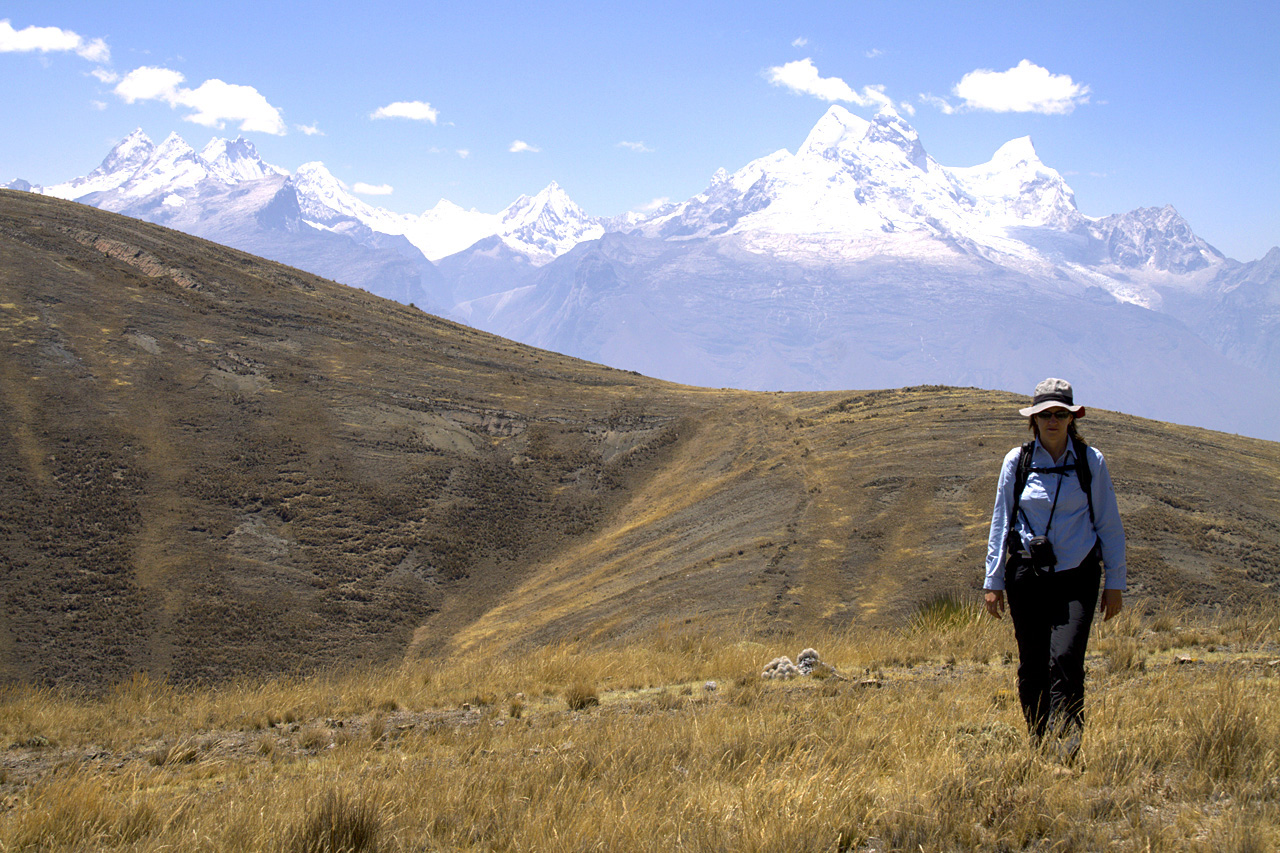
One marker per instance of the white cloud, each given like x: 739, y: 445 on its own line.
x: 653, y: 205
x: 371, y: 189
x: 414, y: 110
x: 802, y: 78
x: 1025, y: 88
x: 51, y: 39
x: 520, y: 145
x: 636, y: 146
x: 800, y: 42
x: 95, y: 51
x: 105, y: 75
x: 464, y: 153
x: 874, y: 53
x: 212, y: 103
x: 943, y: 105
x: 309, y: 129
x: 149, y: 83
x: 215, y: 102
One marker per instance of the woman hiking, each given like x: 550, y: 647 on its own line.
x: 1054, y: 528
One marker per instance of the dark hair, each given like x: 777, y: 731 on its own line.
x: 1071, y: 429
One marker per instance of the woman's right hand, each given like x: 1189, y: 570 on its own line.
x: 995, y: 602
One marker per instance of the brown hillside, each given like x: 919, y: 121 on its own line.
x: 212, y: 465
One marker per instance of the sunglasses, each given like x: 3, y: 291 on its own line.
x: 1060, y: 414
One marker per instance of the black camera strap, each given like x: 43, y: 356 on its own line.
x: 1061, y: 471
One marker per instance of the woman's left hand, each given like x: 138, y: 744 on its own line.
x: 1111, y: 604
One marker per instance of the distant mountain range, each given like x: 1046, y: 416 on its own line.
x: 857, y: 262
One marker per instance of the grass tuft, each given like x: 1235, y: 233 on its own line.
x: 945, y: 611
x: 581, y: 696
x: 337, y: 824
x: 1225, y: 737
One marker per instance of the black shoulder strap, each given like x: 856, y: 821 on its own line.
x: 1083, y: 474
x: 1020, y: 480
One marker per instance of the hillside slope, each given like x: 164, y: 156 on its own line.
x: 213, y: 465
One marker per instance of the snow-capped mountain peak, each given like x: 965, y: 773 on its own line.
x: 552, y: 200
x: 173, y: 148
x: 837, y: 130
x: 1153, y: 238
x: 842, y: 136
x: 1015, y: 152
x: 891, y: 136
x: 233, y: 161
x: 127, y: 155
x: 547, y: 225
x: 324, y: 199
x: 1014, y: 187
x: 122, y: 161
x: 851, y: 176
x: 173, y: 165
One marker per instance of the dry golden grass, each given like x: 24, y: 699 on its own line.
x: 1182, y: 752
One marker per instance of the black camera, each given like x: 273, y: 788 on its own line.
x: 1040, y: 553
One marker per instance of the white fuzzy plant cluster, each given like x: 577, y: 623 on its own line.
x: 807, y: 661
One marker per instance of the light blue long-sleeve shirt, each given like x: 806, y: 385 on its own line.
x: 1071, y: 533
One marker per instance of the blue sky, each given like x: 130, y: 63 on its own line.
x: 1136, y: 104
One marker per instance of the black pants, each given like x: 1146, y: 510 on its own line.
x: 1051, y: 618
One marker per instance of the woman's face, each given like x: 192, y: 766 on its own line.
x: 1052, y: 423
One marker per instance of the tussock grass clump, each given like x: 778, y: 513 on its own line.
x: 482, y: 699
x: 1226, y: 736
x: 948, y: 610
x: 337, y: 823
x: 314, y: 737
x: 181, y: 752
x: 581, y: 696
x: 1123, y: 654
x: 377, y: 728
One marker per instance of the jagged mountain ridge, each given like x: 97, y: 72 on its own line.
x: 135, y: 171
x: 857, y: 198
x: 860, y: 261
